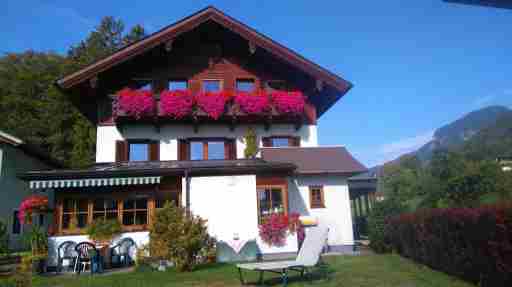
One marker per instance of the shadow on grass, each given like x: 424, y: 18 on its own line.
x: 321, y: 273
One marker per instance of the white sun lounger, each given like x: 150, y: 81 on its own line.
x: 308, y: 257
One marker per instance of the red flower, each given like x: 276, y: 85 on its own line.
x: 136, y: 103
x: 176, y: 104
x: 275, y: 228
x: 253, y: 103
x: 213, y: 103
x: 288, y: 102
x: 30, y: 204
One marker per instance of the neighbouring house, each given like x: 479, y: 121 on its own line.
x: 17, y: 156
x: 196, y: 88
x: 505, y: 162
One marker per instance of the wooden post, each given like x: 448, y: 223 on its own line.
x: 187, y: 193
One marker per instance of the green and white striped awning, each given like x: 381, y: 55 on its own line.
x: 87, y: 182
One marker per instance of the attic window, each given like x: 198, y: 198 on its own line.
x: 245, y: 85
x: 174, y: 85
x: 212, y: 85
x: 277, y: 85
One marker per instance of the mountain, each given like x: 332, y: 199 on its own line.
x: 480, y: 126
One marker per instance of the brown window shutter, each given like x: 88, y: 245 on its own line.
x: 267, y: 142
x: 121, y: 151
x: 230, y: 149
x: 183, y: 149
x: 294, y: 141
x: 154, y: 150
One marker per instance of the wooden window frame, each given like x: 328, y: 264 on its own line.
x: 313, y: 203
x: 255, y: 88
x: 75, y: 212
x: 135, y: 210
x: 178, y: 80
x: 231, y: 156
x: 284, y: 196
x: 105, y: 211
x: 221, y: 83
x: 293, y: 141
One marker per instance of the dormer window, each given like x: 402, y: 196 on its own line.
x: 245, y: 85
x: 174, y: 85
x: 212, y: 85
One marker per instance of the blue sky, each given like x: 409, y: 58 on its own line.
x: 416, y: 65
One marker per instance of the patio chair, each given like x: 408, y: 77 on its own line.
x: 66, y: 251
x: 308, y: 257
x: 120, y: 253
x: 86, y: 254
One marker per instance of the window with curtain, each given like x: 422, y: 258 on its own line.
x: 316, y: 197
x: 74, y: 213
x: 270, y: 200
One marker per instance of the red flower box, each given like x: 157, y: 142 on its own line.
x: 213, y: 103
x: 288, y: 102
x: 135, y: 103
x: 176, y: 104
x: 276, y: 227
x: 253, y: 103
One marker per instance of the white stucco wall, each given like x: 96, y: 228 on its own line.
x: 140, y: 238
x: 336, y: 215
x: 169, y: 135
x: 229, y: 203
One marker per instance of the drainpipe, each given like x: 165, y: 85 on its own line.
x: 187, y: 192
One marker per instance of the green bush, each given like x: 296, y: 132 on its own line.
x: 104, y: 230
x: 180, y: 238
x: 377, y: 223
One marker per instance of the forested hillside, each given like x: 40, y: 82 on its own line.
x: 32, y: 108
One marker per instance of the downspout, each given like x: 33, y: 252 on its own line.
x: 187, y: 192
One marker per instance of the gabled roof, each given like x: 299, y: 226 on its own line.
x: 208, y: 14
x: 29, y: 149
x: 315, y: 160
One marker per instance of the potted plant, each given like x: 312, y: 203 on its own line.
x: 38, y: 241
x: 103, y: 231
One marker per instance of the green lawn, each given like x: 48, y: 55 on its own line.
x: 353, y: 271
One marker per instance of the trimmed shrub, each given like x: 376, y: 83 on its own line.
x: 376, y: 223
x: 474, y: 244
x: 180, y: 238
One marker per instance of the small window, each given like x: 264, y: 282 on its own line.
x: 245, y: 85
x: 174, y: 85
x: 16, y: 225
x: 212, y: 85
x: 138, y: 152
x: 280, y: 142
x: 207, y: 149
x: 316, y: 197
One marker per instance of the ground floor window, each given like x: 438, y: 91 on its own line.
x: 316, y: 197
x: 271, y: 199
x: 74, y: 213
x: 16, y: 226
x: 105, y: 209
x: 135, y: 212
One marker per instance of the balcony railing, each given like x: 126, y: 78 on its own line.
x: 183, y: 105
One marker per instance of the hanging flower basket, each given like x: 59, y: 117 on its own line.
x: 212, y: 103
x: 31, y: 204
x: 134, y: 103
x: 291, y: 103
x: 253, y: 103
x: 176, y: 104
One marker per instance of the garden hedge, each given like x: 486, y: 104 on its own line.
x: 474, y: 244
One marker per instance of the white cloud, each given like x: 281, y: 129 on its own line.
x: 393, y: 150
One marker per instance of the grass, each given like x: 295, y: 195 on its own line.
x: 353, y: 271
